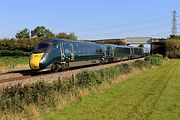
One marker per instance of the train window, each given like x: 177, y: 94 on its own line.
x: 67, y: 51
x: 100, y: 50
x: 40, y: 47
x: 57, y: 46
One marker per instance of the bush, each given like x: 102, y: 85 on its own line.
x: 173, y: 48
x: 154, y: 59
x: 15, y: 98
x: 104, y: 74
x: 157, y: 55
x: 147, y: 58
x: 125, y: 68
x: 13, y: 53
x: 139, y: 63
x: 87, y: 79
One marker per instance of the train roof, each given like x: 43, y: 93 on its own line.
x: 56, y: 40
x: 119, y: 46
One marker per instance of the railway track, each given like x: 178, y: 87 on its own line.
x: 24, y: 77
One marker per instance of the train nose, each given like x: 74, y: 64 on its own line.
x: 35, y: 60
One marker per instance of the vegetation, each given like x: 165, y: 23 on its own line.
x: 152, y: 95
x: 8, y: 64
x: 173, y: 48
x: 41, y: 31
x: 154, y: 59
x: 141, y: 45
x: 64, y: 35
x: 13, y: 53
x: 24, y: 42
x: 43, y: 96
x: 25, y: 33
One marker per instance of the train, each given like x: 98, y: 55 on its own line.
x: 61, y: 54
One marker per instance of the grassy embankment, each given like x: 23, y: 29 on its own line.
x: 8, y: 64
x: 155, y: 94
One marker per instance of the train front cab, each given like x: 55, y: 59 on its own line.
x: 37, y: 55
x: 51, y: 56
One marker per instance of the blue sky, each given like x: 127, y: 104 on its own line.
x: 90, y: 19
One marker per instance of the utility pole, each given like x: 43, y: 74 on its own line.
x: 174, y: 21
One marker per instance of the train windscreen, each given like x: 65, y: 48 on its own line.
x: 41, y: 47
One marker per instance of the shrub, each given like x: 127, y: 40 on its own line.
x: 125, y: 68
x: 173, y: 48
x: 139, y: 63
x: 16, y: 97
x: 103, y: 73
x: 13, y: 53
x: 157, y: 55
x: 156, y: 61
x: 114, y: 71
x: 87, y: 79
x: 147, y: 58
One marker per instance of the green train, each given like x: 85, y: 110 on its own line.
x: 60, y: 54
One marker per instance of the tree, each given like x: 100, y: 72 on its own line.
x: 64, y: 35
x: 41, y: 31
x: 25, y: 33
x: 173, y: 48
x: 141, y: 45
x: 72, y: 36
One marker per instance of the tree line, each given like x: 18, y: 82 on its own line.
x: 41, y: 31
x: 26, y: 39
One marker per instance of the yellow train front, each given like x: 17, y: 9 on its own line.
x: 45, y: 53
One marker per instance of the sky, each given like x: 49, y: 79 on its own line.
x: 90, y: 19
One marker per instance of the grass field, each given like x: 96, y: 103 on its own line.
x: 13, y: 63
x: 153, y: 95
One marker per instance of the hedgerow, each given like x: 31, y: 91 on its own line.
x: 13, y: 53
x: 154, y: 59
x: 16, y: 98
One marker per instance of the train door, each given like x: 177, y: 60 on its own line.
x: 103, y: 48
x: 72, y: 52
x: 112, y: 52
x: 68, y: 52
x: 61, y: 52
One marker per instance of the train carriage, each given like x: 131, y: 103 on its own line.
x: 120, y: 52
x: 60, y: 54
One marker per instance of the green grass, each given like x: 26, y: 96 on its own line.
x: 153, y: 95
x: 14, y: 60
x: 8, y: 64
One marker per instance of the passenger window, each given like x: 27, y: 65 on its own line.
x: 57, y: 46
x: 67, y: 51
